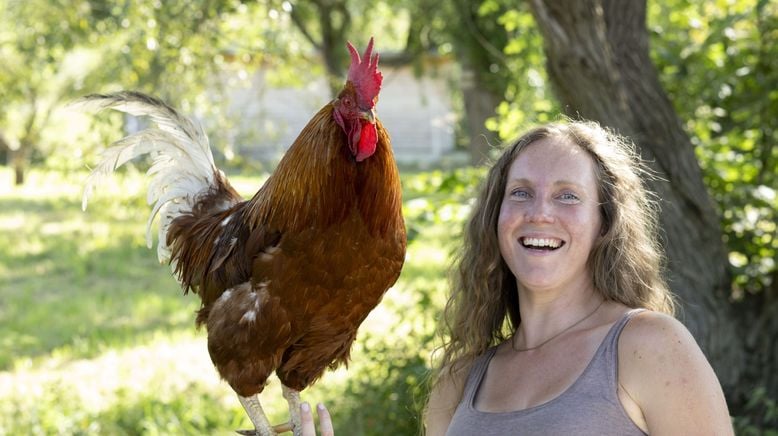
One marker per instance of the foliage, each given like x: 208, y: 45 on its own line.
x: 385, y: 398
x: 761, y: 415
x: 499, y: 53
x: 719, y: 63
x: 186, y: 53
x: 41, y: 65
x: 55, y: 51
x: 439, y: 198
x: 528, y: 98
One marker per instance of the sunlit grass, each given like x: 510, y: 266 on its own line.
x: 97, y: 338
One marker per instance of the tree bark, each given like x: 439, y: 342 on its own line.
x: 18, y: 159
x: 598, y: 62
x: 18, y: 173
x: 480, y: 105
x: 479, y: 43
x: 334, y: 21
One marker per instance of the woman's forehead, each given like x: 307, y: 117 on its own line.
x: 553, y: 158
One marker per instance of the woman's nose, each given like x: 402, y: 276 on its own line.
x: 539, y: 212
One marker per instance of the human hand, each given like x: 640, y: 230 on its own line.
x: 325, y: 422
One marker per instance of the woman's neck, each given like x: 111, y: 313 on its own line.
x: 546, y: 313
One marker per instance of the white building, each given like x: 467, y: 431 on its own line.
x: 417, y: 113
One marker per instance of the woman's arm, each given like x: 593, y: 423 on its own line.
x: 663, y: 370
x: 443, y: 401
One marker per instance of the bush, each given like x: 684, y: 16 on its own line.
x: 759, y: 416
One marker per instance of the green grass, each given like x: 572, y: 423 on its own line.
x: 97, y: 338
x: 75, y: 282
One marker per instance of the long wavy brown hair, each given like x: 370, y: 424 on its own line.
x: 626, y: 262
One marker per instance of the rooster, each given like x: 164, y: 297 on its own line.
x: 285, y: 278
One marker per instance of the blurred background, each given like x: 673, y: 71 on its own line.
x: 96, y: 337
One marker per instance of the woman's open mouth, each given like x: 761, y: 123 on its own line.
x: 548, y: 244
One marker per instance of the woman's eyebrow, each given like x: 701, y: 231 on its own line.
x: 568, y: 183
x: 562, y: 182
x: 519, y: 181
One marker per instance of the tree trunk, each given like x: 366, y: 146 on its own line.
x: 334, y: 21
x: 18, y: 160
x: 598, y: 62
x: 480, y: 41
x: 479, y: 106
x: 19, y: 175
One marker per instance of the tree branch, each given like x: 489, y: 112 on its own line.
x: 300, y: 23
x: 479, y: 37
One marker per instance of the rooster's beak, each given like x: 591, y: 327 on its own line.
x: 368, y: 115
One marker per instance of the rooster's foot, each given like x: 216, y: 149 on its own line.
x: 278, y: 428
x: 257, y: 417
x: 293, y: 398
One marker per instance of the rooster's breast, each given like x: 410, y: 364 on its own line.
x: 340, y: 272
x: 308, y: 295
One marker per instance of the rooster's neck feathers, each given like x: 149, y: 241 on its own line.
x: 318, y: 183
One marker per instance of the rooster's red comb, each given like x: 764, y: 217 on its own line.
x: 363, y: 73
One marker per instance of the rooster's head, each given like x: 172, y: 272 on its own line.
x: 355, y: 105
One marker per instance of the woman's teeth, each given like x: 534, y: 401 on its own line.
x: 545, y: 243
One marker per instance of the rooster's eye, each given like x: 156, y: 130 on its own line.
x: 347, y: 102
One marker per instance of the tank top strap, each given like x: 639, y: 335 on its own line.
x: 477, y: 374
x: 611, y: 349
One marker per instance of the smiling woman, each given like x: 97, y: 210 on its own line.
x: 559, y: 321
x: 549, y: 216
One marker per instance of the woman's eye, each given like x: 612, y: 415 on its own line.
x: 520, y: 194
x: 569, y: 197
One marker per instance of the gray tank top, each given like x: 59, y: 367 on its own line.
x: 590, y: 406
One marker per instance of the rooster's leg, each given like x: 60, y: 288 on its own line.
x: 257, y: 416
x: 293, y: 398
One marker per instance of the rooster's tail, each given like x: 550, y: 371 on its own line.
x: 182, y: 166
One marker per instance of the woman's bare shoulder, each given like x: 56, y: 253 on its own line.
x: 648, y: 329
x: 664, y: 370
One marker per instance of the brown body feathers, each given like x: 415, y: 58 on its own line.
x: 287, y: 277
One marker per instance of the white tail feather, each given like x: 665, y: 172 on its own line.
x: 182, y: 164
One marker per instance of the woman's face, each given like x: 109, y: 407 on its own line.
x: 549, y: 217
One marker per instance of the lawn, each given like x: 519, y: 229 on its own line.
x: 97, y: 337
